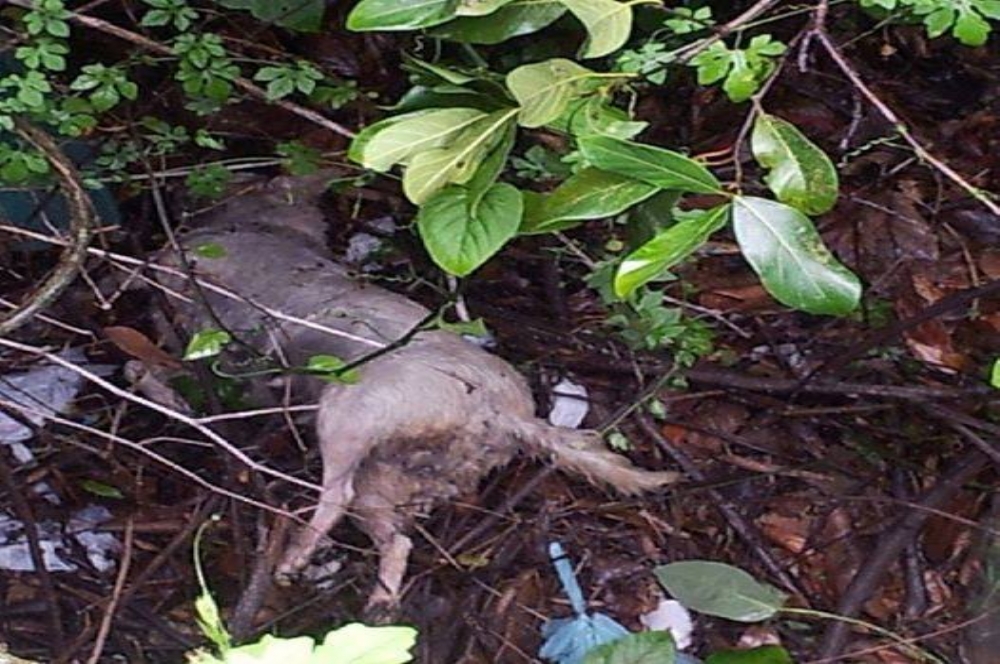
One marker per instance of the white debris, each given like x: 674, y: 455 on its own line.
x: 570, y: 404
x: 101, y: 547
x: 670, y: 616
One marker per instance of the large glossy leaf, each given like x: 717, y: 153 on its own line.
x: 761, y: 655
x: 720, y: 590
x: 456, y: 163
x: 479, y: 7
x: 383, y: 145
x: 361, y: 644
x: 608, y: 24
x: 459, y: 236
x: 302, y: 15
x: 642, y: 648
x: 545, y: 89
x: 782, y: 246
x: 663, y: 168
x: 521, y: 17
x: 668, y: 248
x: 400, y: 14
x: 590, y: 194
x: 594, y: 116
x: 800, y: 173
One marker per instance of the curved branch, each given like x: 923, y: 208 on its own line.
x: 81, y: 216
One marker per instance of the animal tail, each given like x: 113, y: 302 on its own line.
x: 584, y: 453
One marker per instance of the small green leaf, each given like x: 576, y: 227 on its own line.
x: 545, y: 89
x: 206, y: 343
x: 801, y: 174
x: 385, y: 144
x: 664, y: 168
x: 608, y: 25
x: 101, y: 489
x: 274, y: 649
x: 210, y: 250
x: 761, y: 655
x: 520, y: 17
x: 642, y: 648
x: 400, y: 14
x: 590, y: 194
x: 783, y: 248
x: 717, y: 589
x: 461, y: 239
x: 331, y: 369
x: 474, y: 328
x: 668, y: 248
x: 995, y: 374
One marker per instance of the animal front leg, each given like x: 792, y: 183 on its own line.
x: 338, y: 492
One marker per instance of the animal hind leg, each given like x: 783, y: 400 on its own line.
x: 380, y: 521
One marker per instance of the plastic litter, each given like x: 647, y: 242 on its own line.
x: 570, y: 404
x: 568, y: 640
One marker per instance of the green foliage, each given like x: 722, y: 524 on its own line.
x: 332, y: 369
x: 741, y: 70
x: 644, y: 323
x: 966, y: 20
x: 299, y: 159
x: 995, y: 374
x: 44, y: 53
x: 784, y: 249
x: 801, y: 174
x: 301, y: 15
x: 206, y: 343
x: 48, y: 17
x: 641, y: 648
x: 668, y: 248
x: 721, y: 590
x: 283, y: 80
x: 205, y: 70
x: 176, y: 13
x: 761, y: 655
x: 106, y: 86
x: 684, y: 20
x: 209, y: 181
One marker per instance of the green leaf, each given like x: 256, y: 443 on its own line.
x: 302, y: 15
x: 457, y: 163
x: 461, y: 238
x: 210, y: 250
x: 274, y: 649
x: 782, y: 246
x: 479, y: 7
x: 520, y: 17
x: 663, y: 168
x: 995, y: 374
x: 101, y: 489
x: 360, y: 644
x: 331, y: 369
x: 594, y: 115
x: 590, y: 194
x: 801, y: 174
x: 400, y: 14
x: 720, y: 590
x: 206, y: 343
x: 642, y: 648
x: 761, y: 655
x: 608, y: 24
x: 668, y: 248
x: 385, y: 144
x: 545, y: 89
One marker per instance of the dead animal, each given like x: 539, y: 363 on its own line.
x: 427, y: 419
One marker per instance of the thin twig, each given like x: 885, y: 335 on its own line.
x: 81, y: 217
x: 192, y: 422
x: 889, y: 548
x: 116, y: 594
x: 904, y: 131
